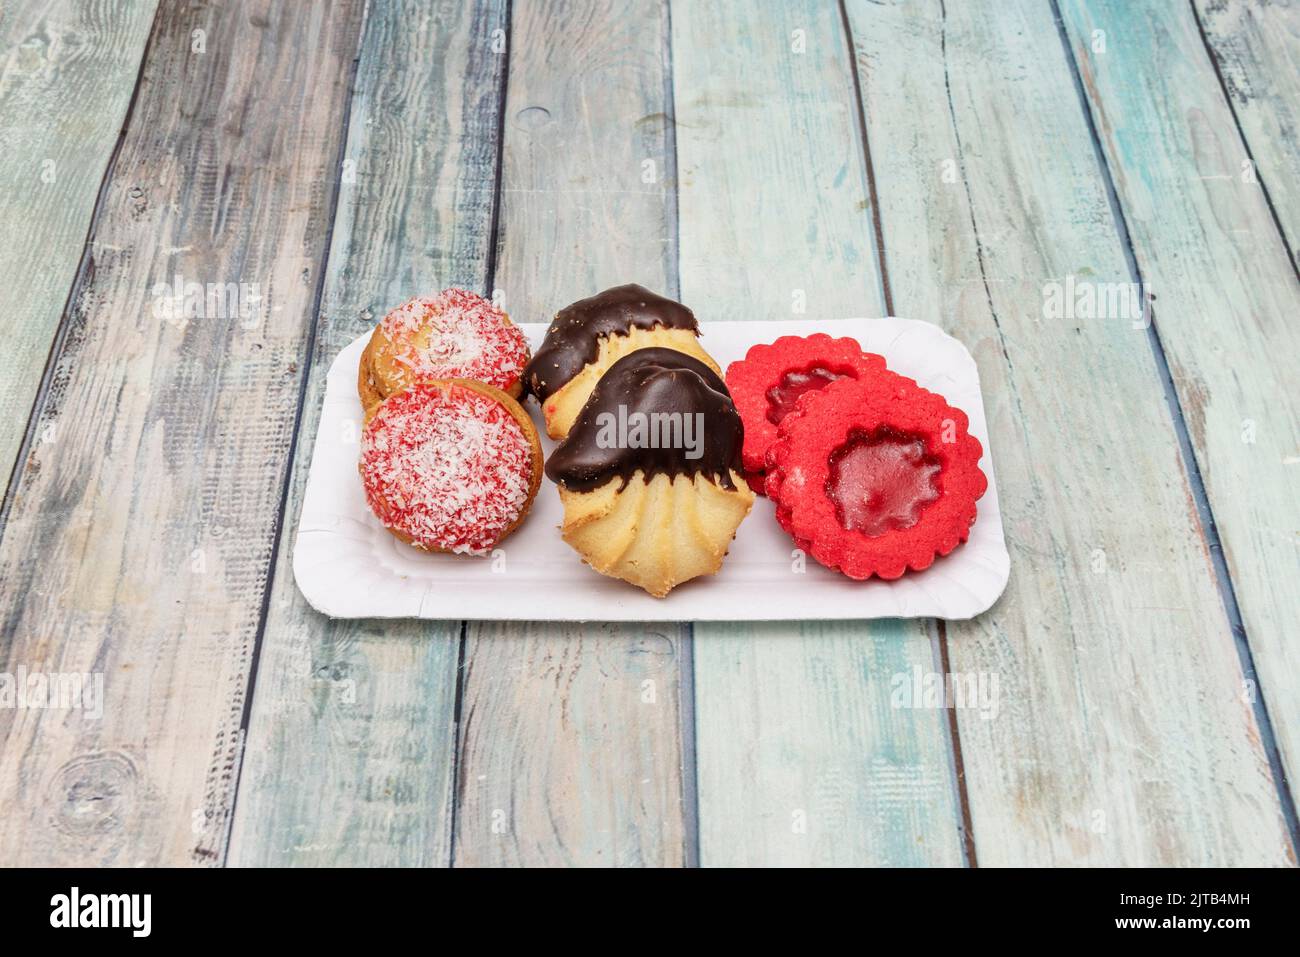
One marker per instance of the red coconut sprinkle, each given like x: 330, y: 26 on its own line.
x: 470, y: 338
x: 768, y: 382
x: 447, y: 466
x: 864, y: 481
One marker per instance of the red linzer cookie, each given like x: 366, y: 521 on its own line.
x: 450, y: 465
x: 766, y: 384
x: 875, y: 476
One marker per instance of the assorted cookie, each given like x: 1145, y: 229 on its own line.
x: 450, y: 465
x: 453, y: 335
x: 875, y: 476
x: 589, y: 336
x: 649, y: 475
x: 868, y: 472
x: 768, y: 382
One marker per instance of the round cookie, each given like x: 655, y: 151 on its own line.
x: 649, y: 475
x: 589, y: 336
x: 454, y: 335
x: 875, y: 477
x: 768, y: 382
x: 450, y: 465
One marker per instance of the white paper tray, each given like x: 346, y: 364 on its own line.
x: 348, y: 566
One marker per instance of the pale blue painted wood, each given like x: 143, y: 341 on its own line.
x: 1122, y: 736
x: 67, y: 70
x: 1228, y: 297
x: 139, y: 539
x: 1257, y: 49
x: 572, y: 750
x: 350, y: 756
x: 802, y: 757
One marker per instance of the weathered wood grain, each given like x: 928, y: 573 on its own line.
x: 1228, y: 297
x: 1123, y: 735
x: 571, y: 749
x: 801, y: 757
x: 143, y: 521
x: 350, y: 752
x: 67, y: 70
x: 1256, y: 47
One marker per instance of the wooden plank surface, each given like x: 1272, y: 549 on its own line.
x: 802, y: 759
x: 1227, y: 302
x: 143, y: 522
x: 1256, y: 48
x: 351, y: 744
x: 67, y: 71
x: 571, y: 747
x: 541, y: 150
x: 1123, y: 737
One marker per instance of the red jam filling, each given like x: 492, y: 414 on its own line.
x: 782, y: 396
x: 881, y: 481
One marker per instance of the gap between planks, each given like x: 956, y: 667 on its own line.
x: 489, y: 282
x: 938, y: 631
x: 61, y: 331
x: 1245, y: 142
x: 1204, y: 513
x: 636, y: 79
x: 309, y: 355
x: 686, y: 669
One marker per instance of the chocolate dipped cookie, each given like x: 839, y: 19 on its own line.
x: 650, y: 474
x: 588, y: 337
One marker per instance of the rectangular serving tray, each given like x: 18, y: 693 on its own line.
x: 348, y: 566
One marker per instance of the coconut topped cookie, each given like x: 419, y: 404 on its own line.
x: 453, y: 335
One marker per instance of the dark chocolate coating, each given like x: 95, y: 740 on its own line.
x: 573, y: 339
x: 652, y: 381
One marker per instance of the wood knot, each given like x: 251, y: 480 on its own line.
x: 532, y: 118
x: 644, y: 654
x: 94, y: 793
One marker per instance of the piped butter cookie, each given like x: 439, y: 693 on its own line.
x: 649, y: 475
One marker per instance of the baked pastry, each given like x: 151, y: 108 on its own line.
x: 875, y: 476
x: 766, y: 384
x: 453, y: 335
x: 450, y: 465
x: 589, y: 336
x: 649, y: 474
